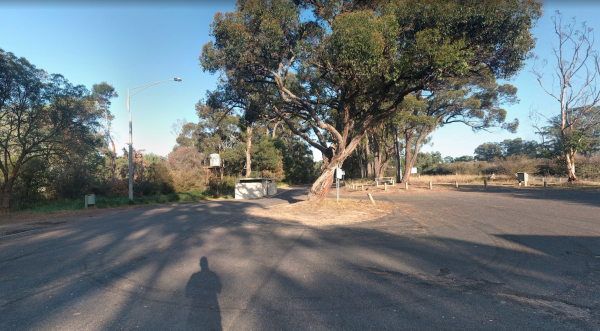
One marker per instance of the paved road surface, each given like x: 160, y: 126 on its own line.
x: 451, y: 260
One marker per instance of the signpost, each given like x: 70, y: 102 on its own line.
x: 339, y: 174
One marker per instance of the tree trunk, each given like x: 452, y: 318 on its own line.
x: 274, y: 129
x: 398, y: 158
x: 376, y: 155
x: 407, y: 156
x: 570, y: 158
x: 383, y: 167
x: 369, y: 164
x: 5, y: 196
x: 322, y: 185
x: 113, y: 162
x: 248, y: 146
x: 411, y: 156
x: 359, y: 154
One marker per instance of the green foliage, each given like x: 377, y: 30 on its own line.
x: 298, y: 164
x: 42, y: 116
x: 427, y: 160
x: 464, y: 158
x: 332, y: 70
x: 53, y: 206
x: 268, y: 158
x: 155, y: 177
x: 488, y: 151
x: 506, y: 148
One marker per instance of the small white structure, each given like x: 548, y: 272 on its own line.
x: 215, y: 160
x: 254, y: 188
x: 523, y: 177
x: 90, y: 199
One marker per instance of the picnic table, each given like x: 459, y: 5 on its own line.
x: 389, y: 180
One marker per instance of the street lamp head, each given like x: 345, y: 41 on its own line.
x: 177, y: 79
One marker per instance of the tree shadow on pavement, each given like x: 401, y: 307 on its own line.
x: 139, y: 270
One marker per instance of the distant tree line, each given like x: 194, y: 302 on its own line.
x: 514, y: 155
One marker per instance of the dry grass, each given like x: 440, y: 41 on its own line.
x: 326, y: 212
x: 448, y: 181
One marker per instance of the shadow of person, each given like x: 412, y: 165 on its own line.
x: 202, y: 288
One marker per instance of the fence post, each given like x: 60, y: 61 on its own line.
x: 371, y: 197
x: 385, y: 186
x: 456, y: 184
x: 485, y: 183
x: 406, y: 185
x: 430, y: 185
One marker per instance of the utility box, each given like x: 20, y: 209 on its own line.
x: 90, y: 199
x: 339, y: 173
x: 522, y: 177
x: 254, y: 188
x: 214, y: 160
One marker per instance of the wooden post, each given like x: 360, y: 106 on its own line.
x: 362, y: 187
x: 545, y: 183
x: 406, y: 185
x: 385, y: 186
x: 371, y: 197
x: 485, y: 183
x: 456, y: 184
x: 430, y: 185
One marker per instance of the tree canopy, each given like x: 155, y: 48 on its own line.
x: 41, y: 116
x: 339, y: 68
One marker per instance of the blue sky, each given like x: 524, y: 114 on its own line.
x: 140, y: 43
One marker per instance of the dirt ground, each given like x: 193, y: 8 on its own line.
x: 25, y: 221
x: 326, y: 212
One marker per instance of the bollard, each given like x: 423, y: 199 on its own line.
x: 406, y: 185
x: 385, y: 186
x: 430, y: 185
x: 456, y: 184
x: 371, y: 197
x: 362, y: 187
x: 545, y: 183
x: 485, y: 183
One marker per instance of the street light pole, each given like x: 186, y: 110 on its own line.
x: 143, y: 87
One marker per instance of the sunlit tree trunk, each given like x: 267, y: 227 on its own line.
x: 248, y: 146
x: 570, y: 160
x: 113, y: 162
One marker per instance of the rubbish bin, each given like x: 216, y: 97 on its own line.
x: 90, y: 199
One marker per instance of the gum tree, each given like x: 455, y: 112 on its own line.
x: 575, y: 87
x: 332, y: 70
x: 41, y: 116
x: 103, y: 94
x: 475, y: 102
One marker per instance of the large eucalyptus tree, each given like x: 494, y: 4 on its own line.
x: 41, y: 116
x: 331, y: 70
